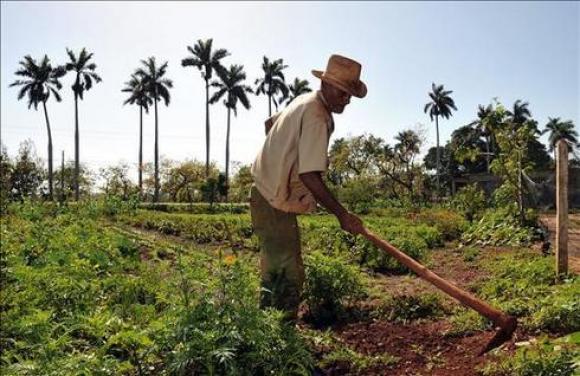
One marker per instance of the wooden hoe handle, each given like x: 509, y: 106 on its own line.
x: 498, y: 317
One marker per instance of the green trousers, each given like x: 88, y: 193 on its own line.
x: 281, y: 266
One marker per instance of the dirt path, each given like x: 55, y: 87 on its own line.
x: 549, y: 220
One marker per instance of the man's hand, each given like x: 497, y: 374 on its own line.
x: 348, y: 221
x: 351, y: 223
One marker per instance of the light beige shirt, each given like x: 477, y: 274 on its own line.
x: 297, y: 143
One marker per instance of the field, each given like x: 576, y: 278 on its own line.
x: 105, y: 288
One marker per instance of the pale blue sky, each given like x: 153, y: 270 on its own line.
x: 519, y: 50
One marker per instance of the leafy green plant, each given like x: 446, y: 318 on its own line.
x: 405, y: 308
x: 331, y: 284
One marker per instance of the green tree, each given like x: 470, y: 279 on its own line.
x: 84, y: 76
x: 6, y: 167
x: 273, y: 83
x: 66, y: 180
x: 297, y: 88
x: 157, y: 87
x: 27, y: 173
x: 231, y: 85
x: 441, y: 104
x: 116, y: 181
x: 40, y: 81
x: 206, y: 61
x: 139, y: 96
x: 561, y: 130
x: 485, y: 128
x: 183, y: 180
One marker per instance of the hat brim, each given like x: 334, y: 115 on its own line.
x: 359, y: 90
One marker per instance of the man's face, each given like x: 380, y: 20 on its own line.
x: 337, y: 99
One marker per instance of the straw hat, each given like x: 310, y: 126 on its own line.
x: 343, y: 73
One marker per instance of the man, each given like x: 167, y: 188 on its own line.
x: 288, y: 180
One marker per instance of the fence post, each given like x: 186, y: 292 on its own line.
x: 562, y: 207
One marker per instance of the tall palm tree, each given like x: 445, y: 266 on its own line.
x: 298, y: 87
x: 408, y: 146
x: 204, y: 58
x: 84, y: 76
x: 561, y: 130
x: 40, y: 81
x: 138, y: 95
x: 485, y: 127
x: 440, y: 105
x: 519, y: 114
x: 156, y: 87
x: 231, y: 85
x: 273, y: 83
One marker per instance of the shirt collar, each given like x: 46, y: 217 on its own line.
x: 325, y: 103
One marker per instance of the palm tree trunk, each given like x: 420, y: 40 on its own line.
x: 487, y: 156
x: 438, y: 154
x: 76, y: 178
x: 156, y: 192
x: 269, y: 105
x: 206, y: 128
x: 228, y: 154
x: 50, y: 185
x: 62, y: 196
x: 140, y: 151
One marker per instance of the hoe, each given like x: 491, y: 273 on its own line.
x: 505, y: 322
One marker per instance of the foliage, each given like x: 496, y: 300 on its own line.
x: 556, y: 357
x: 404, y: 308
x: 498, y: 227
x: 331, y: 284
x: 470, y: 201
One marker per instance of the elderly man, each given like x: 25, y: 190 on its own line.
x: 288, y: 180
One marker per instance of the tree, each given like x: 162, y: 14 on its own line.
x: 204, y: 58
x: 156, y: 87
x: 440, y: 105
x: 6, y: 167
x: 231, y: 85
x: 241, y: 183
x: 139, y: 96
x: 116, y: 181
x: 561, y: 130
x: 66, y: 181
x: 84, y: 76
x: 183, y: 180
x: 485, y: 128
x: 40, y: 81
x: 297, y: 88
x: 27, y: 173
x: 273, y: 83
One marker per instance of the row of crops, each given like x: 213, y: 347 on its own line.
x: 85, y: 290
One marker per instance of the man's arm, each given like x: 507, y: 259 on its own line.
x: 348, y: 221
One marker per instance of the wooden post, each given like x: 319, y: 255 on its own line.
x: 562, y: 207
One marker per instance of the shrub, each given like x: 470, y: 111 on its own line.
x: 557, y: 357
x: 497, y: 227
x: 449, y: 223
x: 331, y: 284
x: 404, y: 308
x: 470, y: 201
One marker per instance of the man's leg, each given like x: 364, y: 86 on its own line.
x: 281, y: 266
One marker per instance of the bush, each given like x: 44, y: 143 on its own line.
x: 331, y: 284
x: 404, y: 308
x: 470, y: 201
x: 557, y: 357
x: 225, y: 333
x: 449, y: 223
x: 496, y: 228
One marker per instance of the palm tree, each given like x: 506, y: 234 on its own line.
x: 138, y: 96
x: 440, y: 105
x: 561, y: 130
x: 231, y: 85
x: 157, y: 88
x: 519, y: 114
x: 485, y: 128
x: 204, y: 57
x: 85, y: 74
x: 298, y: 87
x: 38, y: 84
x: 273, y: 82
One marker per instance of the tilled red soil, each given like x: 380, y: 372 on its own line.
x: 423, y: 349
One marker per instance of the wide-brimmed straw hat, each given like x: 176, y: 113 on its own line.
x: 343, y: 73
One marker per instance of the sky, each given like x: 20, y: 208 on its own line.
x: 479, y: 50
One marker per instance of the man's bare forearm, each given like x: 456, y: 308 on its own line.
x: 313, y: 181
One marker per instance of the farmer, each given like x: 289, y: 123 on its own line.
x: 288, y: 180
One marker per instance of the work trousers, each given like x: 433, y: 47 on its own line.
x: 281, y: 267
